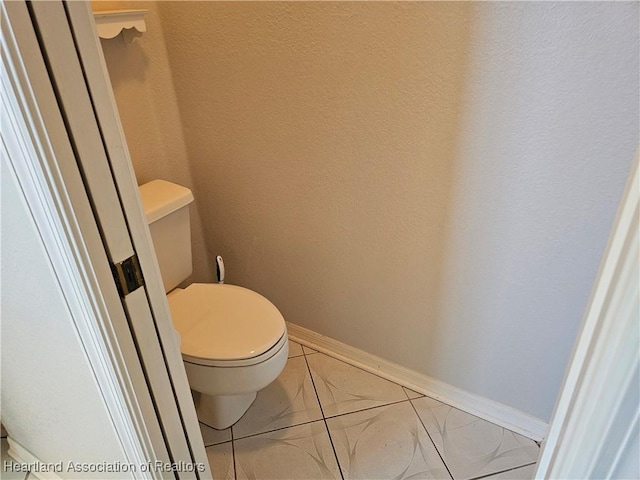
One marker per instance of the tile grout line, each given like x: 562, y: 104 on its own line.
x: 309, y: 421
x: 323, y: 417
x: 406, y: 393
x: 370, y: 373
x: 275, y: 430
x: 404, y: 389
x: 214, y: 443
x: 362, y: 369
x: 356, y: 366
x: 233, y: 454
x: 431, y: 439
x: 502, y: 471
x: 368, y: 408
x: 312, y: 421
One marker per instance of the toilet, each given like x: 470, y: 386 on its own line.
x: 233, y: 340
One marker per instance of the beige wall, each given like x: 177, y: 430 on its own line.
x: 431, y: 182
x: 323, y: 139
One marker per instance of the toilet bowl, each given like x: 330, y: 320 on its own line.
x: 233, y: 340
x: 233, y: 343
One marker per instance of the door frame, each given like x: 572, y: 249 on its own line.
x: 596, y: 418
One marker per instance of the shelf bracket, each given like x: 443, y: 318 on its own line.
x: 110, y: 23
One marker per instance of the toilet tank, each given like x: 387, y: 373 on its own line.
x: 166, y: 206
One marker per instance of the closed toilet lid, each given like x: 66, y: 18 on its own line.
x: 224, y: 322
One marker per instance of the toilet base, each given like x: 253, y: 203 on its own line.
x: 222, y: 411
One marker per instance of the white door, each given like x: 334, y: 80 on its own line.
x: 55, y: 87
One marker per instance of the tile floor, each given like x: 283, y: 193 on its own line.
x: 323, y: 418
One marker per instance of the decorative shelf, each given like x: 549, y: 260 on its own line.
x: 110, y: 23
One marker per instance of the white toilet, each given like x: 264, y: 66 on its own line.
x: 233, y: 340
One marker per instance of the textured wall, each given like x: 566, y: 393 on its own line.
x: 431, y: 182
x: 144, y: 92
x: 549, y: 134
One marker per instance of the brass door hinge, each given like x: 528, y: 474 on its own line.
x: 127, y: 275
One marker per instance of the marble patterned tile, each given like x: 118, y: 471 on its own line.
x: 211, y: 436
x: 385, y: 442
x: 343, y: 388
x: 289, y: 400
x: 295, y: 349
x: 522, y: 473
x: 300, y: 452
x: 411, y: 393
x: 472, y: 447
x: 221, y: 461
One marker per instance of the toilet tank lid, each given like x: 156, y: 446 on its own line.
x: 160, y: 198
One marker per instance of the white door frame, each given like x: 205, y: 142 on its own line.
x: 44, y: 159
x: 594, y: 429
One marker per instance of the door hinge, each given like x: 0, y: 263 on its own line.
x: 127, y: 275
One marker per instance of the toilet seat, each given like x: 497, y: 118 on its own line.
x: 247, y: 362
x: 225, y: 325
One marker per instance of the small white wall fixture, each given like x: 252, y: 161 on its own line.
x: 111, y: 23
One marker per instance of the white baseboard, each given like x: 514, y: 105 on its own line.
x: 23, y: 456
x: 490, y: 410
